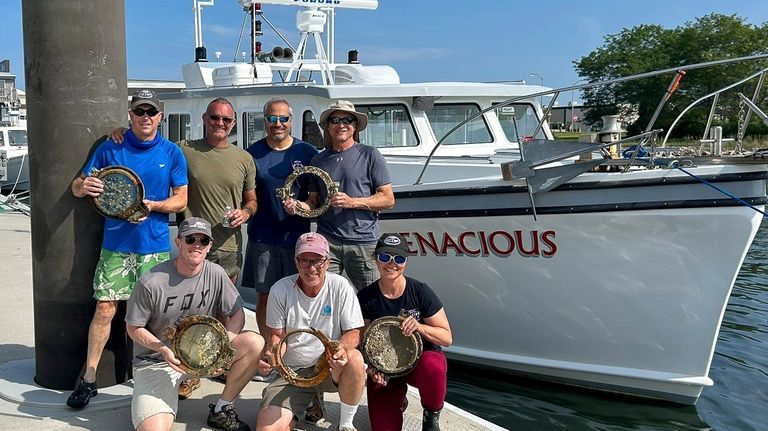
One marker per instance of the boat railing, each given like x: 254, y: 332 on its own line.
x: 647, y: 137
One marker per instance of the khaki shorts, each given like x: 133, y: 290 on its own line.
x: 356, y: 260
x: 117, y: 272
x: 283, y: 394
x: 155, y: 391
x: 231, y: 261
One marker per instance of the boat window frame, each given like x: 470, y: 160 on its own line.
x: 365, y: 108
x: 259, y: 113
x: 523, y: 138
x: 491, y: 136
x: 314, y: 136
x: 13, y: 144
x: 166, y: 125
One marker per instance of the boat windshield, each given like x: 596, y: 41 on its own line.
x: 17, y: 138
x: 519, y: 121
x: 443, y: 117
x: 388, y: 126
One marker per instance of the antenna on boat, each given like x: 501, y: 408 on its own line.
x: 200, y: 53
x: 311, y: 23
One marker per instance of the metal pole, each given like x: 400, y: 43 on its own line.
x: 76, y: 90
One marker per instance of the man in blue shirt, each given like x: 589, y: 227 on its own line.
x: 272, y: 233
x: 130, y: 249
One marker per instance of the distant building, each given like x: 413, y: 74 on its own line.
x: 10, y: 106
x: 569, y: 119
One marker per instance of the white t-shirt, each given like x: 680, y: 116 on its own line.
x: 333, y: 310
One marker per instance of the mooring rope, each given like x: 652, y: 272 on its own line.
x: 707, y: 183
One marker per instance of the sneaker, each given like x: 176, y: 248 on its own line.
x: 226, y: 419
x: 347, y: 429
x: 269, y: 378
x: 82, y: 395
x: 187, y: 386
x: 316, y: 411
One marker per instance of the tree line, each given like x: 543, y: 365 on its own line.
x: 646, y: 48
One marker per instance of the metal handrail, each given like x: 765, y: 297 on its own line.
x: 579, y: 87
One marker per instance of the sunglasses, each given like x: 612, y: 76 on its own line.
x: 139, y: 112
x: 306, y: 263
x: 385, y: 258
x: 204, y: 240
x: 272, y: 119
x: 342, y: 120
x: 217, y: 118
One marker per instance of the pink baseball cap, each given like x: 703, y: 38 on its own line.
x: 312, y: 242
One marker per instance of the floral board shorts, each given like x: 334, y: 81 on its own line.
x: 117, y: 272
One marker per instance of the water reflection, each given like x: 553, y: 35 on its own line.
x: 519, y: 403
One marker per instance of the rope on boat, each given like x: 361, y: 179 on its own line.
x: 676, y: 165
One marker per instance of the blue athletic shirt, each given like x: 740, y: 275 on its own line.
x: 160, y: 165
x: 271, y: 224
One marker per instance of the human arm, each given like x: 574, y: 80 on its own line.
x: 145, y: 338
x: 383, y: 199
x: 235, y: 324
x: 265, y: 362
x: 87, y: 186
x: 174, y: 204
x: 238, y: 217
x: 116, y: 135
x: 435, y: 328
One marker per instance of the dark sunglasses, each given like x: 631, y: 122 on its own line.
x: 272, y: 119
x: 204, y: 240
x: 306, y: 263
x: 139, y: 112
x: 385, y: 258
x: 216, y: 119
x: 342, y: 120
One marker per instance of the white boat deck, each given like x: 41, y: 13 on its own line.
x: 25, y: 406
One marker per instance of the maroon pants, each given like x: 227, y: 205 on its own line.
x: 385, y: 402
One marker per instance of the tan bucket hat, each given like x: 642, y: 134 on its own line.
x: 348, y: 107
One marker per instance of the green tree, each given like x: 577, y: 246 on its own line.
x: 646, y: 48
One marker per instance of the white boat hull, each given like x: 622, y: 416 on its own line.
x: 627, y: 300
x: 17, y: 178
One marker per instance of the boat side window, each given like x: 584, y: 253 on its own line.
x: 310, y: 130
x: 2, y: 139
x: 518, y: 121
x: 388, y: 126
x: 253, y: 127
x: 178, y: 127
x: 444, y: 117
x: 17, y: 138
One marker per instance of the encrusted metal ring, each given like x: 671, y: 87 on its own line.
x: 123, y: 195
x: 387, y: 350
x: 321, y: 369
x: 201, y: 344
x: 332, y: 187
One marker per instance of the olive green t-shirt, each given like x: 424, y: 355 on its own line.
x: 217, y: 179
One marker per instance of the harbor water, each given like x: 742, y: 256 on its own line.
x: 738, y: 401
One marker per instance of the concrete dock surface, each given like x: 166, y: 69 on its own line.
x: 27, y: 406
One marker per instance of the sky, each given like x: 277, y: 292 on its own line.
x: 424, y: 40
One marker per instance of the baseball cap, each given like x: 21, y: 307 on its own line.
x: 312, y: 242
x: 392, y: 243
x: 195, y: 225
x: 145, y: 97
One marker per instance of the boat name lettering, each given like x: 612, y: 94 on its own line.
x: 483, y: 243
x: 318, y: 1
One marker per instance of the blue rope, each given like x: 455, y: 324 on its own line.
x: 739, y: 200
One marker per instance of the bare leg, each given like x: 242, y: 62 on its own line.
x: 158, y: 422
x: 98, y: 334
x: 351, y: 378
x: 274, y: 418
x: 248, y: 346
x: 261, y: 314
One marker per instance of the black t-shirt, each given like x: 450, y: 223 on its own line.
x: 417, y: 299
